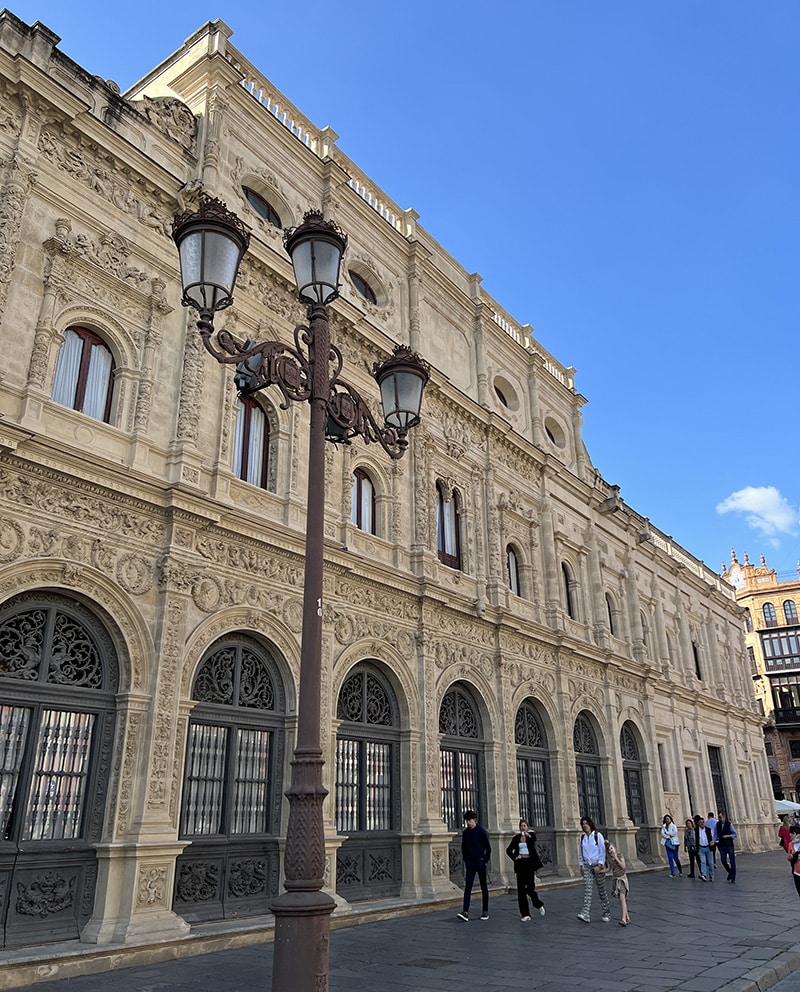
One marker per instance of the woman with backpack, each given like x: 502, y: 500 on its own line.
x: 592, y: 859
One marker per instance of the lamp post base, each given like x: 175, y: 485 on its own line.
x: 302, y: 941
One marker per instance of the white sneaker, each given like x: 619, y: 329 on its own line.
x: 525, y: 919
x: 584, y: 918
x: 606, y: 919
x: 541, y: 911
x: 484, y: 916
x: 464, y: 917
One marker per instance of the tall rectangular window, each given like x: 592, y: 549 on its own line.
x: 663, y: 769
x: 250, y: 781
x: 717, y: 779
x: 459, y: 785
x: 55, y: 802
x: 363, y: 785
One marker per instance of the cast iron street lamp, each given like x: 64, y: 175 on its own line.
x: 211, y: 244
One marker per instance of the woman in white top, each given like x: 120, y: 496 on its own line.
x: 671, y: 842
x: 522, y: 851
x: 592, y: 855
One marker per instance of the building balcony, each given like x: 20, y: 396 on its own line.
x: 787, y: 717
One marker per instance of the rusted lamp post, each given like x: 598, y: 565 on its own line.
x: 211, y: 243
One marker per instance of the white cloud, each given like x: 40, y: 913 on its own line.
x: 764, y: 509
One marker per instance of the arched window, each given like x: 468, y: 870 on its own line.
x: 611, y: 610
x: 696, y: 658
x: 362, y: 287
x: 461, y: 763
x: 367, y: 798
x: 362, y: 502
x: 533, y: 777
x: 587, y: 768
x: 632, y: 775
x: 448, y: 527
x: 513, y: 570
x: 232, y: 784
x: 84, y: 374
x: 569, y: 589
x: 770, y: 616
x: 251, y: 443
x: 789, y: 611
x: 633, y: 780
x: 748, y: 620
x: 58, y: 680
x: 262, y: 207
x: 645, y: 629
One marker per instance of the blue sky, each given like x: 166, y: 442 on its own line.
x: 623, y: 175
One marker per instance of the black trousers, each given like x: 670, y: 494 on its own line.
x: 470, y: 872
x: 694, y: 859
x: 526, y: 886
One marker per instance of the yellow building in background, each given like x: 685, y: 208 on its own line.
x: 773, y: 646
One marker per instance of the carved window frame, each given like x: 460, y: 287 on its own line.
x: 367, y: 754
x: 76, y: 379
x: 364, y: 502
x: 534, y: 788
x: 60, y: 669
x: 588, y: 771
x: 461, y: 756
x: 228, y: 712
x: 448, y: 526
x: 633, y: 773
x: 251, y: 459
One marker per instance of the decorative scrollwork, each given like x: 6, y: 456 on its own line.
x: 584, y: 740
x: 627, y: 744
x: 364, y: 699
x: 528, y: 731
x: 71, y: 654
x: 274, y: 363
x: 458, y: 716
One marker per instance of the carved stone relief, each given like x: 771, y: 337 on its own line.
x: 151, y: 888
x: 171, y: 117
x: 78, y: 159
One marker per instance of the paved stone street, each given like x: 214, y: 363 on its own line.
x: 686, y: 935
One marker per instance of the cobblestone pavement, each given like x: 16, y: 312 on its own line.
x: 686, y: 935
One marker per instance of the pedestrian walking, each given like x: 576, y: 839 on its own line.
x: 690, y: 841
x: 616, y: 863
x: 671, y: 842
x: 726, y: 835
x: 793, y: 854
x: 711, y: 823
x: 476, y: 851
x: 785, y: 834
x: 592, y: 859
x: 705, y: 849
x: 522, y: 851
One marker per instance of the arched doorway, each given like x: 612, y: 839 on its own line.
x: 58, y: 679
x: 230, y: 810
x: 462, y: 768
x: 533, y: 779
x: 367, y: 787
x: 633, y: 778
x: 587, y: 770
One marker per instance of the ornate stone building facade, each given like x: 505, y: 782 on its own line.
x: 500, y: 629
x: 772, y: 637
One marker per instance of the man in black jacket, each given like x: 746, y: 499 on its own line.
x: 726, y: 835
x: 476, y: 851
